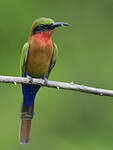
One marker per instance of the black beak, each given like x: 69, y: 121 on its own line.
x: 58, y: 24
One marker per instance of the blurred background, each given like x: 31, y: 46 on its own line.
x: 64, y: 120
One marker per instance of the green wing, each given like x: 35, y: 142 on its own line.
x: 53, y: 60
x: 23, y: 58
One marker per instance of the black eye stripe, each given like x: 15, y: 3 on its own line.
x: 41, y: 27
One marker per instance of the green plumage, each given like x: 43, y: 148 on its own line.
x: 23, y: 58
x: 45, y: 21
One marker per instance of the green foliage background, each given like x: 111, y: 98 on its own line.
x: 64, y: 120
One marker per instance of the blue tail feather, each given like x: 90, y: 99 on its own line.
x: 29, y: 93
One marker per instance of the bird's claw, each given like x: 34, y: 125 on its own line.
x: 30, y: 78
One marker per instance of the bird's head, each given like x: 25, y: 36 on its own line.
x: 45, y: 25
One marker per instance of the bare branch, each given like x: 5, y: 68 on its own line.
x: 58, y: 85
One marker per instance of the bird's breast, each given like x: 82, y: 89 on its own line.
x: 39, y: 57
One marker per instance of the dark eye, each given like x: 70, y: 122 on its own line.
x: 43, y: 26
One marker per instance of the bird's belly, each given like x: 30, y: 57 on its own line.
x: 38, y: 62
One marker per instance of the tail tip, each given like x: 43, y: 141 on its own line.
x: 24, y: 141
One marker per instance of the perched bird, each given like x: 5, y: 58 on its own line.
x: 38, y: 57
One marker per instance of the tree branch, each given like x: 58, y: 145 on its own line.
x: 58, y: 85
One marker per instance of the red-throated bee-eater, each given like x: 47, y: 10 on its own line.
x: 38, y: 57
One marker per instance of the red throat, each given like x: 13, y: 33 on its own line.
x: 44, y: 37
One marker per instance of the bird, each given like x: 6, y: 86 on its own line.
x: 38, y: 57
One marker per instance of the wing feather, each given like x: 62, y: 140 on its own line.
x: 23, y: 58
x: 54, y: 56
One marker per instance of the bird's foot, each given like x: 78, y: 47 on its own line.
x: 45, y: 79
x: 30, y: 78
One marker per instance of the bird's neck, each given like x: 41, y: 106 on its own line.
x: 43, y: 38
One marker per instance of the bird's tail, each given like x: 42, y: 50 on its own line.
x: 26, y: 123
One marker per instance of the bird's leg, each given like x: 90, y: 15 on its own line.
x: 45, y: 79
